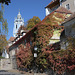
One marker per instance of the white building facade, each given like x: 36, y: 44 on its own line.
x: 68, y: 4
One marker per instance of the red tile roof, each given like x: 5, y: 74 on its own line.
x: 11, y: 38
x: 63, y: 10
x: 51, y: 3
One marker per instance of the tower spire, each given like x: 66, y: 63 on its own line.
x: 19, y: 11
x: 17, y: 23
x: 19, y: 15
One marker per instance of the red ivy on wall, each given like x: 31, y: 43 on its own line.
x: 24, y: 56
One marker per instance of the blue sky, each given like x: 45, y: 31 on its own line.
x: 28, y: 9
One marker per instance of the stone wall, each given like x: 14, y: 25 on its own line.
x: 8, y: 64
x: 14, y: 63
x: 5, y: 64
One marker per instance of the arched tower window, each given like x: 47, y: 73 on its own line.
x: 16, y: 26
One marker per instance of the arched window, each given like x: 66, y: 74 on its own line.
x: 16, y: 26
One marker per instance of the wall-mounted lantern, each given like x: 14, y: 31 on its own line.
x: 35, y: 51
x: 35, y: 48
x: 35, y: 55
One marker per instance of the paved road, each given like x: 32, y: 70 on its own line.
x: 3, y: 72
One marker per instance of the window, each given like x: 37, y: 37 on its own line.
x: 16, y: 20
x: 63, y: 0
x: 68, y: 6
x: 16, y: 26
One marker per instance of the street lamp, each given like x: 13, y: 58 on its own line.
x: 35, y: 51
x: 35, y: 56
x: 35, y: 48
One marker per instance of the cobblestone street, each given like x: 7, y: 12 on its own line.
x: 16, y: 72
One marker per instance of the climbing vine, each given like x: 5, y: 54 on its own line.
x: 49, y: 55
x: 44, y: 32
x: 24, y: 56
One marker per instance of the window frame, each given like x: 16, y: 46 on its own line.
x: 67, y: 6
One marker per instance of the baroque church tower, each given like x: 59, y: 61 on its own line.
x: 19, y: 21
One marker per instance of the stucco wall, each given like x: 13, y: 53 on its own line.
x: 70, y: 28
x: 56, y: 37
x: 71, y: 3
x: 12, y: 53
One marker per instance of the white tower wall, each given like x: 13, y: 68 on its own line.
x: 17, y: 23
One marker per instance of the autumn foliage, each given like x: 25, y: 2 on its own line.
x: 61, y: 60
x: 3, y: 43
x: 52, y: 57
x: 24, y: 56
x: 32, y: 22
x: 45, y: 29
x: 49, y: 56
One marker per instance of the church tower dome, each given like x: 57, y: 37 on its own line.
x: 19, y: 15
x: 19, y: 21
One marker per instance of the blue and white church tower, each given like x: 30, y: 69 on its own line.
x: 19, y: 21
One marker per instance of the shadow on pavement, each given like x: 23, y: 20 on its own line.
x: 3, y: 71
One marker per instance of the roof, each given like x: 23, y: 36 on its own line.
x: 19, y: 15
x: 59, y: 10
x: 63, y: 10
x: 70, y: 18
x: 42, y: 22
x: 52, y: 3
x: 25, y: 36
x: 11, y: 39
x: 49, y: 4
x: 7, y: 48
x: 26, y: 31
x: 23, y: 29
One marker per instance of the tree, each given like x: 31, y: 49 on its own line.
x: 3, y: 29
x: 32, y: 22
x: 5, y: 1
x: 3, y: 43
x: 44, y: 32
x: 3, y: 22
